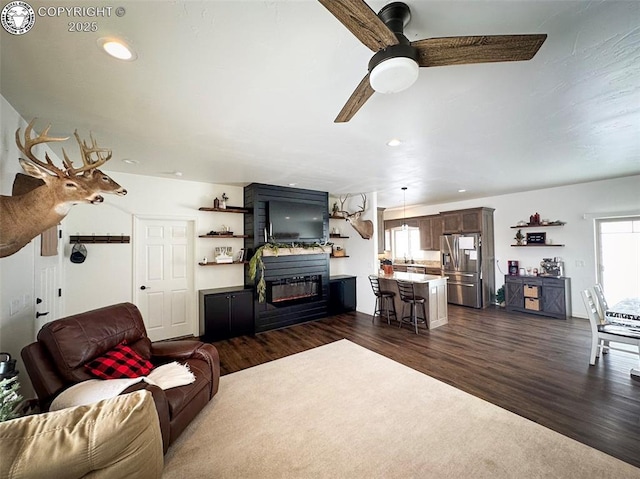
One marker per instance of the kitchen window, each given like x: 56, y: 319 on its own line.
x: 405, y: 243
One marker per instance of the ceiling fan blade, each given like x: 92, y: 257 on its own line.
x: 358, y: 98
x: 360, y: 20
x: 436, y: 52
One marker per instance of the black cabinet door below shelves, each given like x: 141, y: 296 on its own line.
x: 217, y: 316
x: 342, y: 295
x: 242, y: 313
x: 228, y: 315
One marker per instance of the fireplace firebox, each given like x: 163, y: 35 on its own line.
x: 294, y: 289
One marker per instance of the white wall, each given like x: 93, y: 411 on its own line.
x: 107, y: 274
x: 567, y: 203
x: 16, y: 271
x: 363, y: 253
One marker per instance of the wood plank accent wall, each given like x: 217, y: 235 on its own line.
x: 268, y: 316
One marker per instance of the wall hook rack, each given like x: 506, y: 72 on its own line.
x: 95, y: 239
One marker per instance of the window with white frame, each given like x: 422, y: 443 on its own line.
x: 618, y: 268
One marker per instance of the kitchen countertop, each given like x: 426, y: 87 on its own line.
x: 427, y: 264
x: 412, y: 277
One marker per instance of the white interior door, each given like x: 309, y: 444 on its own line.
x: 47, y: 278
x: 163, y: 277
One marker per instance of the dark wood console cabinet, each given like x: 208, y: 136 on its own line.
x: 226, y: 313
x: 542, y: 295
x: 342, y: 294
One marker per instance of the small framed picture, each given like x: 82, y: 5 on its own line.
x: 536, y: 238
x: 239, y: 256
x: 223, y: 251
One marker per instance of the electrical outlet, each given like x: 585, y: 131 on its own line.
x: 579, y: 263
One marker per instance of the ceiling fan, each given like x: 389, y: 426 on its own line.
x: 394, y: 66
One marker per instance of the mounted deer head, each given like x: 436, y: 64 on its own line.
x: 363, y: 227
x: 23, y: 217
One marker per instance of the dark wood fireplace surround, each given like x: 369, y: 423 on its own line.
x: 280, y: 269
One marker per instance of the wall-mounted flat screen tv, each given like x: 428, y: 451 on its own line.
x: 292, y: 221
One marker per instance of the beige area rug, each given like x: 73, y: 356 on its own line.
x: 342, y: 411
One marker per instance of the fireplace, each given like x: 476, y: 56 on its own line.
x: 294, y: 289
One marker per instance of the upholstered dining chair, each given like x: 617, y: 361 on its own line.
x: 384, y: 301
x: 602, y: 334
x: 410, y: 298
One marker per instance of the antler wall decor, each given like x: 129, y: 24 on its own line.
x: 24, y: 216
x: 363, y: 227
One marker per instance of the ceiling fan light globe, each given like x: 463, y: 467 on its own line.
x: 394, y: 75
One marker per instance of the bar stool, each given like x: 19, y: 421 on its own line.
x: 409, y: 297
x: 384, y: 301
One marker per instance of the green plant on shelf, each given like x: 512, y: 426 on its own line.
x: 519, y: 237
x: 256, y: 264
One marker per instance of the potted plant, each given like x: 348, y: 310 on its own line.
x: 500, y: 296
x: 9, y: 398
x: 519, y: 237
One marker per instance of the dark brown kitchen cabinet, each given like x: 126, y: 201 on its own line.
x: 465, y: 221
x: 430, y: 232
x: 226, y: 313
x: 542, y: 295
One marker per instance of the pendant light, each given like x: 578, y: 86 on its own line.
x: 404, y: 208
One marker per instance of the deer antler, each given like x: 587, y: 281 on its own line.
x: 364, y: 203
x: 85, y: 153
x: 363, y: 227
x: 342, y: 202
x: 362, y: 209
x: 29, y: 143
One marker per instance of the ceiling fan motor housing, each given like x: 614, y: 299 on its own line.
x: 401, y: 71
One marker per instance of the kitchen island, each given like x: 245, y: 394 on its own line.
x: 431, y: 287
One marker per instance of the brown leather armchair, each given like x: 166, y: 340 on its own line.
x: 56, y: 361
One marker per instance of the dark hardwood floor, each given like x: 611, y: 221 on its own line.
x: 535, y: 367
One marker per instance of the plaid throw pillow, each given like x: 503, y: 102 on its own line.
x: 120, y: 362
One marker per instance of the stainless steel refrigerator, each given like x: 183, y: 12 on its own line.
x: 461, y: 261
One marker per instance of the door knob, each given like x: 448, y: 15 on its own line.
x: 41, y: 314
x: 143, y: 287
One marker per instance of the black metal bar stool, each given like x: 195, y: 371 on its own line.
x: 384, y: 301
x: 410, y: 298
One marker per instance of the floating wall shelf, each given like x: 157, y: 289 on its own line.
x: 223, y: 236
x: 222, y: 264
x: 534, y: 245
x: 228, y: 209
x: 540, y: 225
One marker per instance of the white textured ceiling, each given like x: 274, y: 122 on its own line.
x: 246, y: 91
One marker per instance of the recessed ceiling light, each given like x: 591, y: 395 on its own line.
x: 293, y: 184
x: 130, y: 162
x: 393, y: 142
x: 177, y: 173
x: 461, y: 191
x: 117, y: 48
